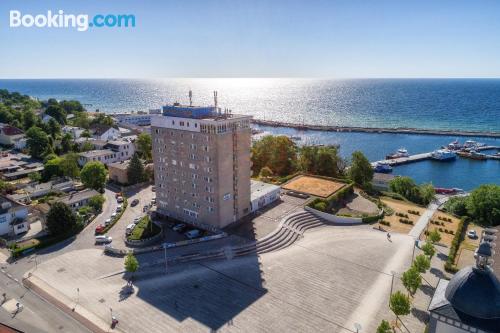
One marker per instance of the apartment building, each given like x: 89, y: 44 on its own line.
x: 202, y: 164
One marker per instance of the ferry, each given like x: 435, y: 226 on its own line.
x: 471, y: 144
x: 400, y: 153
x: 443, y: 155
x: 382, y: 167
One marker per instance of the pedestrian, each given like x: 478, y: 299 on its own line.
x: 389, y: 237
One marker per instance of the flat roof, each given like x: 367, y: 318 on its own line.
x: 79, y: 196
x: 259, y: 189
x: 383, y: 176
x: 95, y: 153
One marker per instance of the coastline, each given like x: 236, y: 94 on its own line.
x: 398, y: 130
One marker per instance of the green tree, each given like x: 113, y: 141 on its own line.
x: 52, y: 168
x: 406, y: 187
x: 265, y: 172
x: 103, y: 120
x: 411, y: 280
x: 56, y: 112
x: 54, y: 129
x: 96, y: 203
x: 37, y: 141
x: 66, y: 143
x: 399, y: 304
x: 434, y: 236
x: 29, y: 119
x: 456, y: 206
x: 69, y: 165
x: 135, y: 170
x: 384, y: 327
x: 277, y: 152
x: 422, y: 263
x: 427, y: 193
x: 93, y: 175
x: 87, y: 146
x: 72, y: 106
x: 429, y: 250
x: 35, y: 176
x: 131, y: 264
x: 60, y: 219
x: 483, y: 205
x: 321, y: 160
x: 144, y: 146
x: 361, y: 171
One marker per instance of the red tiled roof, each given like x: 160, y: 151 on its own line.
x: 11, y: 130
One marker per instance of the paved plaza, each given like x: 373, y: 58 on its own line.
x: 326, y: 282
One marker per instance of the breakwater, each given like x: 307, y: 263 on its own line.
x: 398, y: 130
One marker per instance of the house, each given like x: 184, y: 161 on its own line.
x: 46, y: 118
x: 104, y: 132
x: 262, y: 194
x: 96, y: 144
x: 12, y: 136
x: 12, y: 217
x: 123, y: 149
x: 381, y: 181
x: 105, y: 156
x: 34, y: 191
x: 76, y: 132
x: 79, y: 199
x: 118, y: 172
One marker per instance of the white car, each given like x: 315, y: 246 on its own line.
x: 103, y: 239
x: 107, y: 222
x: 129, y: 229
x: 472, y: 234
x: 113, y: 215
x: 119, y: 208
x: 192, y: 233
x: 119, y: 199
x: 136, y: 220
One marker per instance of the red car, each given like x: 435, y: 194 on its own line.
x: 99, y: 229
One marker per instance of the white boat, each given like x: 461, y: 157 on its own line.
x: 444, y: 155
x: 401, y: 152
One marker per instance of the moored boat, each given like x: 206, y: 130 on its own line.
x: 474, y: 155
x: 401, y: 152
x: 382, y: 167
x: 443, y: 155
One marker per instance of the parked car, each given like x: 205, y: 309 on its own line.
x: 153, y: 201
x: 145, y: 208
x: 119, y: 199
x: 99, y: 229
x: 107, y: 222
x: 118, y: 194
x: 113, y: 215
x: 472, y: 234
x: 119, y: 208
x: 103, y: 239
x: 129, y: 229
x: 193, y: 233
x: 136, y: 220
x: 134, y: 202
x: 179, y: 227
x: 153, y: 188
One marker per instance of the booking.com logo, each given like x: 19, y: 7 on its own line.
x: 81, y: 22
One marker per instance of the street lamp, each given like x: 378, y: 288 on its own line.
x: 358, y: 327
x: 165, y: 254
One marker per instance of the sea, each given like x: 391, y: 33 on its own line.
x: 439, y: 104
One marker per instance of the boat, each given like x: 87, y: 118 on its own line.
x: 472, y: 155
x: 471, y: 144
x: 455, y: 145
x: 443, y: 190
x: 401, y: 152
x: 296, y: 138
x: 382, y: 167
x: 443, y: 155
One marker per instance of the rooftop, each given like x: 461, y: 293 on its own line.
x: 10, y: 130
x: 383, y: 177
x: 119, y: 165
x: 79, y: 196
x: 199, y: 112
x: 96, y: 153
x: 258, y: 189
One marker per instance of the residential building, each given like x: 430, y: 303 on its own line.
x: 46, y: 118
x: 139, y: 119
x: 12, y: 217
x: 104, y: 132
x: 118, y: 171
x: 21, y: 170
x: 123, y: 149
x: 262, y: 194
x: 34, y: 191
x: 105, y: 156
x: 96, y: 144
x: 381, y: 181
x: 76, y: 132
x: 79, y: 199
x: 202, y: 164
x: 12, y: 136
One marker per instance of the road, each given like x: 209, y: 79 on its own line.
x: 37, y: 315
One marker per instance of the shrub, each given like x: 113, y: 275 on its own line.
x: 455, y: 244
x: 387, y: 223
x: 321, y: 206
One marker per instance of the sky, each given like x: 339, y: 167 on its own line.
x: 257, y: 38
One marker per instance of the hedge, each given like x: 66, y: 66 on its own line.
x: 449, y: 266
x: 374, y: 218
x: 118, y: 217
x: 341, y: 194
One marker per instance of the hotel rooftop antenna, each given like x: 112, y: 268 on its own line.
x: 215, y: 102
x: 190, y: 98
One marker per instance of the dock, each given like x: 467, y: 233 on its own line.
x: 426, y: 156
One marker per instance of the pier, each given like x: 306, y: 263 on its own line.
x: 399, y: 130
x: 426, y: 156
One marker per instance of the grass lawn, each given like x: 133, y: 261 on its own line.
x: 401, y: 207
x: 316, y: 186
x: 144, y: 229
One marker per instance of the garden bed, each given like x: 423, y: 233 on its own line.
x: 145, y: 229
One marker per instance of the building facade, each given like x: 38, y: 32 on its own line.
x: 202, y: 164
x: 12, y: 217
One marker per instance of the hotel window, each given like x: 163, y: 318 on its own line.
x: 211, y: 209
x: 192, y: 166
x: 192, y: 156
x: 174, y: 162
x: 208, y: 159
x: 193, y: 146
x: 173, y: 123
x: 208, y: 179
